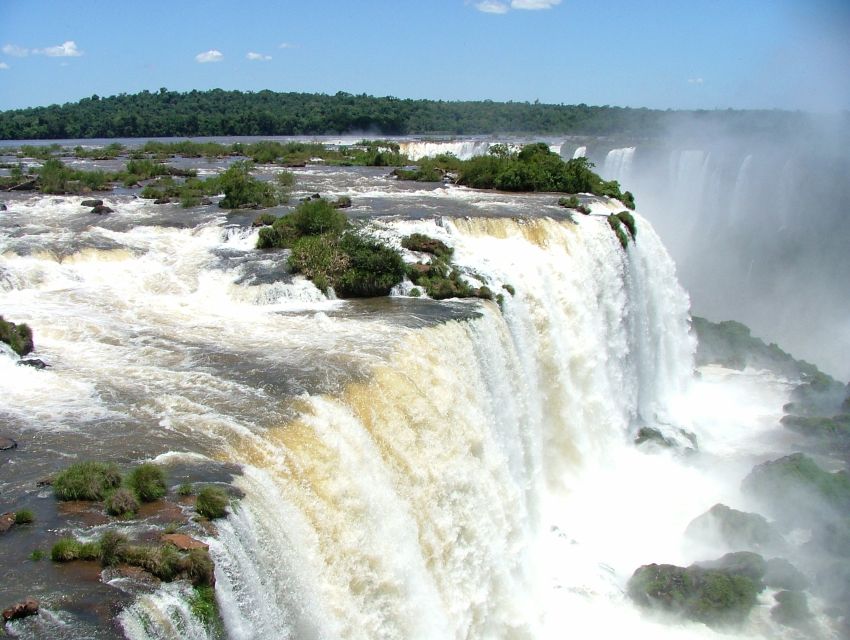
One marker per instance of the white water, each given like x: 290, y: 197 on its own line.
x: 464, y: 149
x: 480, y: 482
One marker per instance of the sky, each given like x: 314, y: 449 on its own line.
x: 677, y: 54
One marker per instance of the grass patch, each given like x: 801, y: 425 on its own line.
x: 212, y: 503
x: 122, y: 503
x: 17, y: 336
x: 147, y: 481
x: 24, y: 516
x: 86, y: 481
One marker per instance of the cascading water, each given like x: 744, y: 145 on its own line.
x: 618, y: 164
x: 408, y: 469
x: 463, y: 149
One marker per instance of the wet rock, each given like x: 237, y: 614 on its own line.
x: 28, y: 607
x: 713, y: 596
x: 7, y: 521
x: 91, y: 203
x: 792, y: 609
x: 162, y: 201
x: 101, y: 209
x: 206, y: 201
x: 744, y: 563
x: 3, y: 206
x: 7, y: 443
x: 734, y: 529
x: 35, y: 363
x: 781, y: 574
x: 184, y: 542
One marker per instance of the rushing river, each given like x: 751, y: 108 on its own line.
x: 407, y: 468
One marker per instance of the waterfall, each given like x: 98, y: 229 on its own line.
x: 618, y: 165
x: 411, y: 504
x: 463, y: 149
x: 580, y: 152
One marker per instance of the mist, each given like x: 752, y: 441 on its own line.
x: 755, y: 219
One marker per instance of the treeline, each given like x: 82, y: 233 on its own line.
x: 267, y: 113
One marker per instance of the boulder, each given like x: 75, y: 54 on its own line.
x: 28, y: 607
x: 7, y: 520
x: 184, y: 542
x: 735, y: 529
x: 206, y: 201
x: 743, y: 563
x: 781, y: 574
x: 713, y: 596
x: 91, y: 203
x: 162, y: 201
x: 792, y: 609
x: 101, y: 209
x: 7, y: 443
x: 2, y: 206
x: 35, y: 363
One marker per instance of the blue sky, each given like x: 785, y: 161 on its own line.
x: 660, y: 54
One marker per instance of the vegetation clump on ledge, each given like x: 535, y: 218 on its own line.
x: 328, y: 252
x: 439, y: 277
x: 17, y: 336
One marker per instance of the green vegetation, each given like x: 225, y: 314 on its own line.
x: 70, y: 549
x: 431, y: 169
x: 792, y: 483
x: 203, y: 605
x: 24, y: 516
x: 731, y: 345
x: 212, y: 502
x: 617, y: 226
x: 792, y: 609
x: 214, y: 113
x: 715, y: 597
x: 185, y: 489
x: 55, y: 177
x: 509, y: 288
x: 242, y: 191
x: 722, y: 526
x: 163, y: 561
x: 17, y: 336
x: 122, y: 503
x: 426, y: 244
x: 328, y: 253
x: 147, y: 481
x: 37, y: 555
x: 86, y: 481
x: 572, y: 202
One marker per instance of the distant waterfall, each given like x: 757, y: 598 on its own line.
x: 618, y: 164
x: 464, y: 150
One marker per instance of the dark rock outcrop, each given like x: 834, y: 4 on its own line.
x: 184, y: 542
x: 7, y: 521
x: 91, y: 203
x: 781, y: 574
x: 102, y: 209
x: 28, y: 607
x: 7, y: 443
x: 35, y: 363
x: 734, y: 529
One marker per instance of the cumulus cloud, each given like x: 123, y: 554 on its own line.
x: 67, y: 49
x: 695, y: 80
x: 15, y: 50
x: 533, y: 5
x: 213, y: 55
x: 257, y: 56
x: 3, y: 65
x: 491, y: 6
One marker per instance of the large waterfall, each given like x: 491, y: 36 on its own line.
x: 407, y: 469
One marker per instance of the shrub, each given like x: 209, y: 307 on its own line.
x: 212, y: 503
x: 415, y: 292
x: 69, y: 549
x: 311, y: 218
x: 264, y: 219
x: 373, y: 268
x: 17, y: 336
x: 148, y: 482
x: 198, y: 567
x: 617, y: 226
x: 37, y: 554
x: 629, y: 221
x: 111, y: 545
x: 24, y: 516
x: 569, y: 203
x: 509, y: 288
x: 86, y: 481
x: 185, y: 489
x: 241, y: 190
x: 121, y: 502
x: 426, y: 244
x: 319, y: 258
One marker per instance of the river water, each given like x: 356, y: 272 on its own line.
x: 407, y: 468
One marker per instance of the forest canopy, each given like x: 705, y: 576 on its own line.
x: 265, y: 113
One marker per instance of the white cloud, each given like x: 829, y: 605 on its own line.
x: 257, y: 56
x: 695, y: 80
x: 67, y: 49
x: 213, y: 55
x: 491, y: 6
x: 534, y: 4
x: 15, y: 50
x: 287, y: 45
x: 3, y: 65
